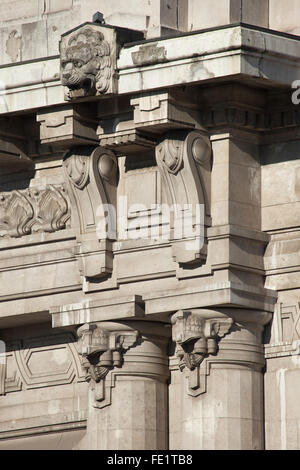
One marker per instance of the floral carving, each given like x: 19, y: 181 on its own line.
x: 53, y: 210
x: 170, y: 153
x: 33, y: 210
x: 77, y: 168
x: 16, y: 214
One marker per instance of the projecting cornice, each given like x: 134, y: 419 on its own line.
x: 231, y: 51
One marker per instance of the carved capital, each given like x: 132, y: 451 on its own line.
x: 196, y: 335
x: 102, y: 350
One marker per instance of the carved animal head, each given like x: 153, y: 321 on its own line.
x: 86, y: 63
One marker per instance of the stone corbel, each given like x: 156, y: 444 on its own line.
x: 165, y: 110
x: 67, y: 126
x: 102, y: 350
x: 135, y: 126
x: 91, y: 174
x: 184, y: 161
x: 196, y: 336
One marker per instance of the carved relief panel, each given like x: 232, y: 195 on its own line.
x: 31, y: 210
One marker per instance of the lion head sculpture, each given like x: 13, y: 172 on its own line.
x: 86, y: 63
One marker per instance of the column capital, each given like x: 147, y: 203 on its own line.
x: 197, y: 334
x: 103, y: 346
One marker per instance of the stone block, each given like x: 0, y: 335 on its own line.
x: 67, y: 126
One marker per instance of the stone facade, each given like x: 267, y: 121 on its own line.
x: 149, y: 224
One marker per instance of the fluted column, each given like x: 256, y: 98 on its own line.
x: 216, y: 390
x: 127, y: 368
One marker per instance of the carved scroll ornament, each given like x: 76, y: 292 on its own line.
x: 91, y: 177
x: 184, y: 161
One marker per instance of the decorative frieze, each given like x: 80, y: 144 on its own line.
x: 102, y: 350
x: 31, y: 210
x: 196, y: 336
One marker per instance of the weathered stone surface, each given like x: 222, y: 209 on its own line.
x: 149, y: 228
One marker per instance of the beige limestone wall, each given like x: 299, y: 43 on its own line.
x: 282, y: 410
x: 236, y: 183
x: 45, y: 390
x: 280, y: 185
x: 66, y: 440
x: 280, y: 217
x: 284, y: 16
x: 32, y: 29
x: 212, y: 13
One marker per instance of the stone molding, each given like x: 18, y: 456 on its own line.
x: 23, y: 212
x: 136, y: 126
x: 250, y: 119
x: 68, y: 126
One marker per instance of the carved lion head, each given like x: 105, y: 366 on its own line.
x: 86, y: 63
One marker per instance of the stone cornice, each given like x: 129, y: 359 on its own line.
x: 188, y: 59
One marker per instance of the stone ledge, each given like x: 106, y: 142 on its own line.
x: 42, y: 424
x: 206, y: 55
